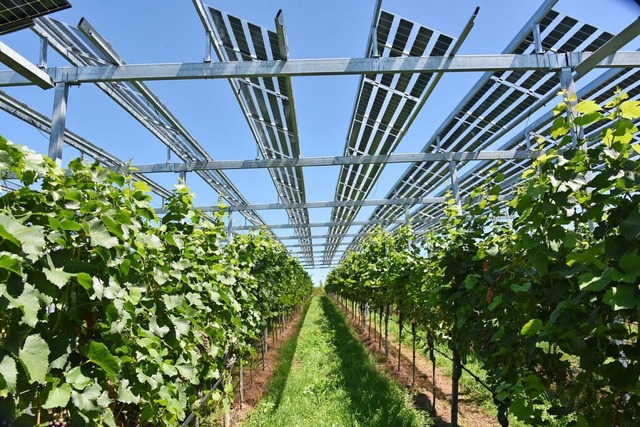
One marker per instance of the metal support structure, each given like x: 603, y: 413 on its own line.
x: 328, y: 236
x: 618, y: 41
x: 461, y: 156
x: 43, y: 123
x: 58, y: 120
x: 284, y: 52
x: 313, y: 244
x: 326, y: 224
x: 44, y: 49
x: 230, y: 228
x: 282, y: 37
x: 568, y: 66
x: 453, y: 170
x: 207, y: 47
x: 328, y: 204
x: 569, y: 86
x: 547, y: 62
x: 24, y: 68
x: 537, y: 38
x: 372, y: 41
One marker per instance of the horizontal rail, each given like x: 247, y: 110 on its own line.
x: 323, y: 67
x: 330, y: 161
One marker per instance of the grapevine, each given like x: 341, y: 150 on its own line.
x: 110, y: 314
x: 543, y: 290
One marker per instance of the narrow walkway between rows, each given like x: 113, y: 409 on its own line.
x: 327, y: 378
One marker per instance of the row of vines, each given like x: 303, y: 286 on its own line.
x: 111, y: 315
x: 544, y: 290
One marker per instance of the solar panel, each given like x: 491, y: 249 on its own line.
x: 386, y: 105
x: 498, y: 103
x: 268, y: 105
x: 601, y: 91
x: 18, y: 14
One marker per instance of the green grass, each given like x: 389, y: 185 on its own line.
x: 327, y: 378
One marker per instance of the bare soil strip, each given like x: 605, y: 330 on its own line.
x: 256, y: 382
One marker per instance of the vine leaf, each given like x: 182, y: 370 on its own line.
x: 9, y: 373
x: 85, y: 400
x: 621, y: 297
x: 630, y: 109
x: 77, y: 379
x: 84, y: 279
x: 630, y: 263
x: 532, y: 327
x: 125, y: 395
x: 588, y: 107
x: 56, y: 275
x: 29, y: 303
x: 100, y: 235
x: 34, y: 356
x: 11, y: 262
x: 99, y: 354
x: 31, y: 238
x: 108, y: 419
x: 58, y: 397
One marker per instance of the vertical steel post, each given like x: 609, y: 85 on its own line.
x: 230, y: 228
x: 44, y: 45
x: 537, y: 38
x: 454, y: 184
x: 58, y: 119
x: 372, y: 45
x: 568, y: 85
x: 207, y: 48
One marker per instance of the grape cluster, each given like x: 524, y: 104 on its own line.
x: 59, y: 420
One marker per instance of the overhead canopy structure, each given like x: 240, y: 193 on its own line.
x: 386, y: 106
x: 82, y: 46
x: 498, y: 103
x: 494, y: 130
x: 267, y: 103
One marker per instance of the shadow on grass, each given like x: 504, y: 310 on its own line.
x: 374, y: 401
x: 285, y: 359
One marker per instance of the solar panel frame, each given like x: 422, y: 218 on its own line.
x: 384, y: 105
x: 600, y: 91
x: 545, y: 86
x: 231, y: 36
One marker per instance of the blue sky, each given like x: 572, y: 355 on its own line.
x: 145, y: 31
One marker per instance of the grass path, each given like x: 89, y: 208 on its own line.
x: 327, y: 378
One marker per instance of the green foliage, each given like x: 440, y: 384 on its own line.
x: 110, y: 312
x: 334, y: 381
x: 547, y: 300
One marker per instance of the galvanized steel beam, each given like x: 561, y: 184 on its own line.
x: 625, y: 36
x: 323, y: 224
x: 461, y: 156
x: 323, y: 67
x: 23, y: 67
x: 328, y: 204
x: 58, y: 120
